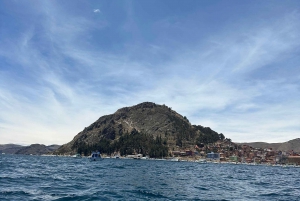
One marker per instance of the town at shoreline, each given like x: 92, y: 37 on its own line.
x: 221, y: 152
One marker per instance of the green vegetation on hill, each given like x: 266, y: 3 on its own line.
x: 128, y: 143
x: 207, y: 135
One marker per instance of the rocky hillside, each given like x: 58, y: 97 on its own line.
x: 53, y: 147
x: 290, y: 145
x: 148, y: 119
x: 263, y: 145
x: 10, y: 148
x: 37, y: 149
x: 285, y: 146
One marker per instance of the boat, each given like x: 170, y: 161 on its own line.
x: 76, y: 156
x: 135, y: 156
x: 202, y: 161
x: 95, y: 156
x: 174, y: 159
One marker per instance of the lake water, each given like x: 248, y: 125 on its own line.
x: 63, y: 178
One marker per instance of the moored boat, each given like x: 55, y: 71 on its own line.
x: 174, y: 159
x: 76, y: 156
x: 202, y: 161
x: 95, y: 156
x: 116, y: 156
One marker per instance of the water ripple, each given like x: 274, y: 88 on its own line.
x: 62, y: 178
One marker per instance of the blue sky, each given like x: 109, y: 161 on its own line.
x: 233, y: 66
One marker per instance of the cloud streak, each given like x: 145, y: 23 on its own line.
x: 56, y: 79
x: 97, y: 11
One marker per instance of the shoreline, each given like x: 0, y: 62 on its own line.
x: 200, y: 161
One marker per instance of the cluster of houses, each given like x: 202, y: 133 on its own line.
x: 226, y: 151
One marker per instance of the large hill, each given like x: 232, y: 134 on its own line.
x: 10, y: 148
x: 134, y: 128
x: 291, y: 145
x: 284, y: 146
x: 37, y: 149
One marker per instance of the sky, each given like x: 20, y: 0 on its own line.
x: 233, y: 66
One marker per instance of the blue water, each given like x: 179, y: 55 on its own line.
x: 62, y: 178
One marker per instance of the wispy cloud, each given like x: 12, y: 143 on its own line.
x: 97, y: 11
x: 57, y: 81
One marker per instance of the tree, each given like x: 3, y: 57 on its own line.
x: 186, y: 119
x: 221, y: 136
x: 228, y: 139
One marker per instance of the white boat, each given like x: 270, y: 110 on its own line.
x: 174, y: 159
x: 76, y: 156
x: 202, y: 161
x: 95, y: 156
